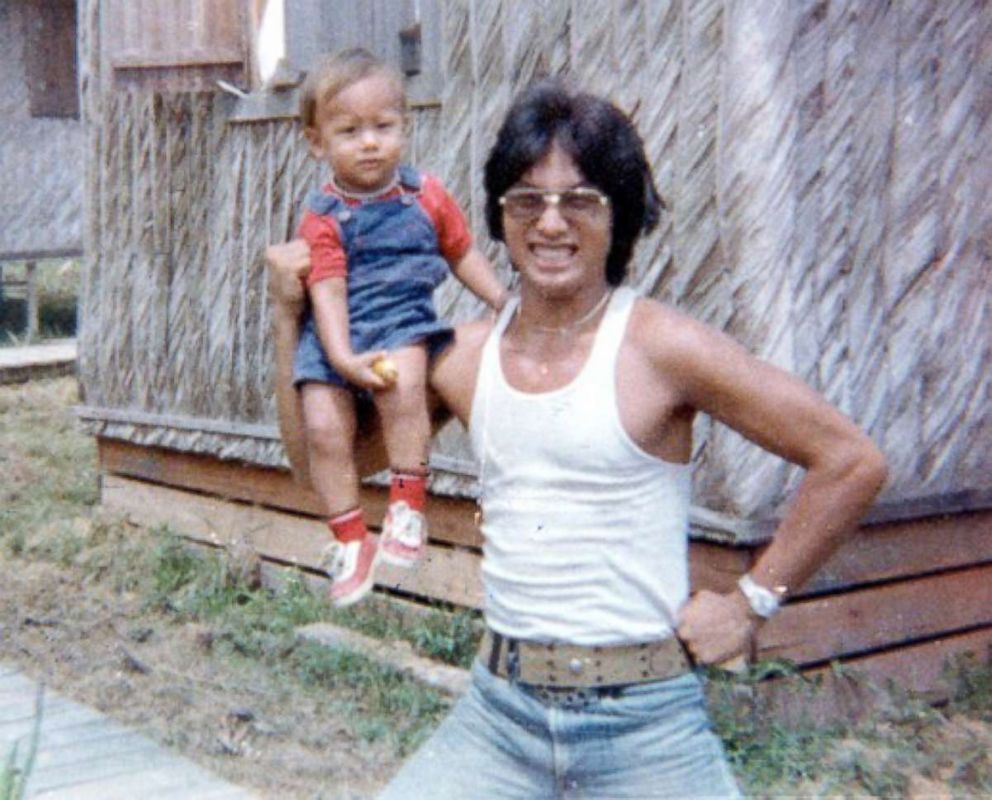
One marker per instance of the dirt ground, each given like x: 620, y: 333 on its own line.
x: 65, y: 620
x: 146, y: 671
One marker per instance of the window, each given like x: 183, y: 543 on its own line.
x: 50, y: 58
x: 176, y: 44
x: 406, y: 33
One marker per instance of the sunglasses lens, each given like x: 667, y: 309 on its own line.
x: 574, y: 204
x: 580, y: 202
x: 524, y: 203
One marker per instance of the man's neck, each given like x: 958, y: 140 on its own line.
x: 562, y: 316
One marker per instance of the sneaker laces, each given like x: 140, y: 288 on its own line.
x: 406, y: 525
x: 333, y: 559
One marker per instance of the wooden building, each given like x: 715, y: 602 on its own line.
x: 41, y: 139
x: 827, y: 170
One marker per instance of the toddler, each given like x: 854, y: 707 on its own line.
x: 382, y: 236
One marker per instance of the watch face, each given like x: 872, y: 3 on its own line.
x: 763, y: 602
x: 763, y: 605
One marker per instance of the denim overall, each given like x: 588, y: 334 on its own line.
x: 394, y: 265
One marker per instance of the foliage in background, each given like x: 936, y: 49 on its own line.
x: 58, y: 291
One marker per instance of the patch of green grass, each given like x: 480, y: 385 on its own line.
x: 877, y: 755
x: 972, y: 682
x: 762, y: 749
x: 255, y: 623
x: 451, y: 637
x: 384, y: 703
x: 49, y: 467
x: 47, y: 513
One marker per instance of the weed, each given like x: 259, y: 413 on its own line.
x: 391, y: 705
x: 972, y: 682
x: 13, y: 774
x: 450, y: 637
x: 258, y: 624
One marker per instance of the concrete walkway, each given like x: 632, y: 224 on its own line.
x: 49, y: 359
x: 82, y: 755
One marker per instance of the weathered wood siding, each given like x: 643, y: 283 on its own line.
x: 826, y: 167
x: 41, y: 158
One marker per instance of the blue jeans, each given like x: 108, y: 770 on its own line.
x: 503, y: 741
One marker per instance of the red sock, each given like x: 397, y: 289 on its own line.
x: 349, y: 526
x: 409, y: 487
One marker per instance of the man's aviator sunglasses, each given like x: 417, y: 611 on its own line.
x: 526, y: 204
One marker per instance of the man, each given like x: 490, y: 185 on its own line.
x: 579, y: 401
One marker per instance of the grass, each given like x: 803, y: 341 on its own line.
x: 15, y: 772
x: 250, y: 622
x: 906, y: 748
x: 58, y: 291
x: 47, y: 512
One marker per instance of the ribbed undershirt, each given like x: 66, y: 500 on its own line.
x: 585, y: 532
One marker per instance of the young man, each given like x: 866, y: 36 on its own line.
x: 579, y: 401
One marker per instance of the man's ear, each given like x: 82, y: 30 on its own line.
x: 312, y: 135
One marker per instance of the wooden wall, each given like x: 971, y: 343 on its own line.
x: 823, y: 160
x: 862, y: 610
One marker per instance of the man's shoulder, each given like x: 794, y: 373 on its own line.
x: 664, y: 334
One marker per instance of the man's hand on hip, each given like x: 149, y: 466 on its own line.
x: 717, y: 628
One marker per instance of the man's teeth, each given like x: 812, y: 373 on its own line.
x: 560, y: 253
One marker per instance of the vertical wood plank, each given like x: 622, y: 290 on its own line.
x: 831, y: 283
x: 910, y: 259
x: 757, y: 197
x: 874, y: 98
x: 657, y: 119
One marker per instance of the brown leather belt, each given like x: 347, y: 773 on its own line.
x: 572, y: 666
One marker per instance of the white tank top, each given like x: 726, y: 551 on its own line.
x: 585, y: 533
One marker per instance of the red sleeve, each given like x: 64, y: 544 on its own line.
x: 327, y: 257
x: 453, y: 236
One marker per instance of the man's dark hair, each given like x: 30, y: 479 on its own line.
x: 605, y: 147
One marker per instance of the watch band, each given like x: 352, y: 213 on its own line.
x: 764, y: 602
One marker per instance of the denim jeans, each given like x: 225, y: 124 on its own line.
x: 506, y: 740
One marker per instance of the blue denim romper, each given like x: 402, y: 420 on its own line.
x: 394, y: 265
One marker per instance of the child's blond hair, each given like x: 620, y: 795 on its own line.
x: 339, y: 71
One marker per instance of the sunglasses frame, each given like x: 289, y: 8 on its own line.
x: 554, y: 198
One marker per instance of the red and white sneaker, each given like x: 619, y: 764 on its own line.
x: 352, y: 567
x: 404, y: 535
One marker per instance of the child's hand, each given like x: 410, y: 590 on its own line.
x: 358, y: 370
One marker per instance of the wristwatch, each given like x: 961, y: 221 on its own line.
x: 764, y: 602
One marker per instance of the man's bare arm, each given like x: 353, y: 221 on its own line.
x: 287, y: 264
x: 778, y: 412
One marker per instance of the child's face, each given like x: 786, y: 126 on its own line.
x: 359, y: 132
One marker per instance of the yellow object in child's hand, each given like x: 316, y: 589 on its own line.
x: 386, y: 369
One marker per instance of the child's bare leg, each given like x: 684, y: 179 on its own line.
x: 329, y: 419
x: 407, y: 433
